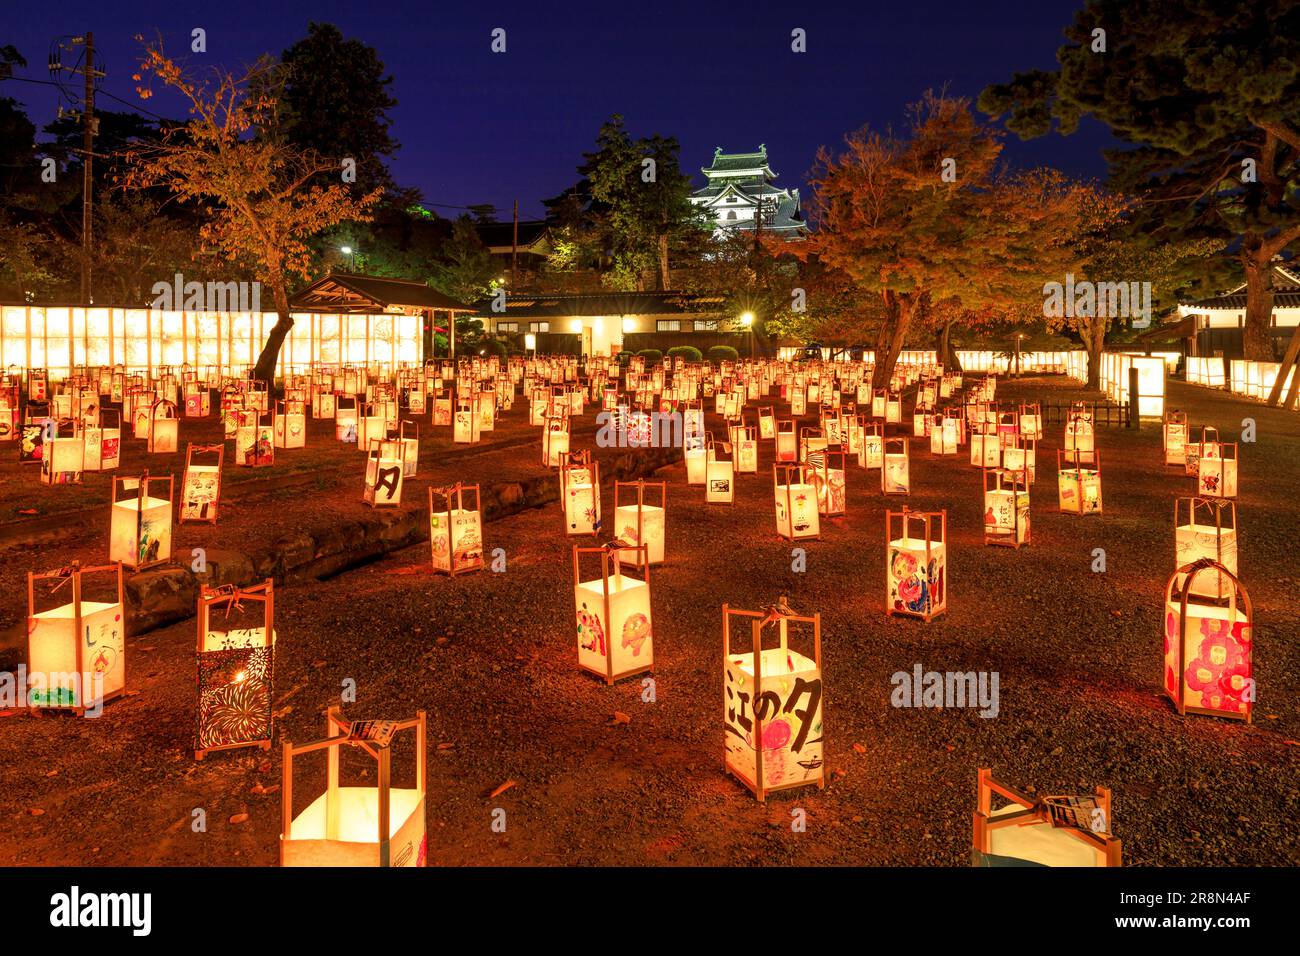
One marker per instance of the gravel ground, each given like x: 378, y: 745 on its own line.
x: 491, y: 658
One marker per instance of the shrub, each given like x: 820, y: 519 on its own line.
x: 723, y: 353
x: 651, y: 356
x: 688, y: 352
x: 493, y: 347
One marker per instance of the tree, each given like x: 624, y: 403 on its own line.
x: 266, y: 200
x: 1208, y: 97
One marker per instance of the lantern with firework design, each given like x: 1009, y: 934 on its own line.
x: 236, y: 657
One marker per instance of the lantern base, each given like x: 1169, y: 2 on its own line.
x: 260, y: 744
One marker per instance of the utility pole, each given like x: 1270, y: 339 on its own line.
x: 88, y: 145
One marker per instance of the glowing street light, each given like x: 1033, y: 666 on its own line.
x: 747, y: 320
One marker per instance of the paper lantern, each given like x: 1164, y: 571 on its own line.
x: 76, y: 652
x: 772, y: 703
x: 346, y: 419
x: 555, y: 439
x: 695, y: 453
x: 63, y: 457
x: 32, y: 435
x: 164, y: 427
x: 372, y: 425
x: 787, y: 446
x: 797, y: 512
x: 1021, y: 456
x: 798, y: 403
x: 580, y: 494
x: 893, y: 409
x: 456, y: 531
x: 235, y: 668
x: 442, y: 412
x: 140, y: 527
x: 614, y: 619
x: 1208, y: 643
x: 1216, y: 475
x: 409, y: 435
x: 871, y: 454
x: 1175, y: 436
x: 766, y: 423
x: 1006, y: 507
x: 1079, y: 434
x: 141, y: 413
x: 916, y: 582
x: 104, y: 444
x: 198, y: 401
x: 383, y: 479
x: 642, y: 523
x: 1078, y: 488
x: 825, y: 468
x: 895, y: 476
x: 985, y: 449
x: 201, y: 484
x: 289, y: 425
x: 487, y: 409
x: 719, y: 478
x: 1043, y: 831
x: 1208, y: 531
x: 254, y: 444
x: 379, y: 825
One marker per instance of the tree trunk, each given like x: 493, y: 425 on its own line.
x: 1094, y: 340
x: 264, y: 371
x: 889, y: 340
x: 664, y: 277
x: 1288, y: 362
x: 943, y: 350
x: 1256, y: 337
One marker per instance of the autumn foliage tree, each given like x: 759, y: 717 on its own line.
x: 264, y: 197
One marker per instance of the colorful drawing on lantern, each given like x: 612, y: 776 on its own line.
x: 791, y: 740
x: 1217, y: 675
x: 720, y: 486
x: 234, y: 697
x: 32, y: 438
x: 910, y: 588
x: 591, y: 633
x: 199, y: 494
x: 636, y: 631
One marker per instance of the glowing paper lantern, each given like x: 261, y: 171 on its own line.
x: 63, y: 457
x: 719, y: 478
x: 555, y: 439
x: 766, y: 423
x: 580, y: 494
x: 1216, y: 475
x: 695, y: 453
x: 798, y: 403
x: 787, y: 446
x: 985, y: 449
x: 201, y: 484
x: 345, y: 419
x: 104, y: 444
x: 372, y: 425
x: 895, y: 476
x: 614, y: 620
x: 1021, y: 456
x: 163, y: 427
x: 1207, y: 646
x: 456, y: 531
x: 235, y: 669
x: 1174, y: 436
x: 1209, y: 531
x: 1078, y: 488
x: 1043, y: 831
x: 487, y: 409
x: 254, y: 444
x: 772, y: 703
x: 76, y: 652
x: 641, y: 523
x: 1006, y: 507
x: 409, y: 435
x: 916, y: 582
x: 1079, y: 434
x: 378, y: 825
x: 872, y: 452
x: 744, y: 443
x: 289, y: 425
x: 198, y: 400
x: 140, y: 527
x: 383, y: 481
x: 825, y: 468
x: 797, y: 512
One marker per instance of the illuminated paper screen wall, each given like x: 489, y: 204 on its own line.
x: 62, y: 338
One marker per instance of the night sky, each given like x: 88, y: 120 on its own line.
x: 479, y: 127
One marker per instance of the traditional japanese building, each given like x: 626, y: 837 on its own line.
x: 742, y: 184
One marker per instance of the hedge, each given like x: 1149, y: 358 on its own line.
x: 723, y: 353
x: 651, y: 356
x: 688, y: 352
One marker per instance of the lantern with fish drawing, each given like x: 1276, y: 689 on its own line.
x: 1078, y: 487
x: 345, y: 419
x: 916, y: 579
x: 1216, y: 470
x: 254, y: 443
x: 1206, y: 528
x: 719, y: 476
x: 163, y: 427
x: 772, y: 701
x: 825, y: 468
x: 456, y: 529
x: 201, y: 483
x: 1032, y: 830
x: 614, y: 621
x: 787, y: 446
x: 76, y: 651
x: 1208, y: 643
x: 895, y: 476
x: 797, y: 514
x: 379, y: 825
x: 289, y: 424
x: 1006, y: 507
x: 140, y: 528
x: 580, y: 493
x: 236, y: 657
x: 383, y: 480
x: 1175, y: 437
x: 642, y: 523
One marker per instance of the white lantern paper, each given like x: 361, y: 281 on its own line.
x: 63, y: 458
x: 555, y: 440
x: 409, y: 435
x: 917, y: 565
x: 985, y: 450
x: 614, y: 621
x: 744, y: 443
x: 1208, y: 648
x: 466, y: 423
x: 201, y: 484
x: 872, y: 453
x: 827, y: 472
x: 696, y: 456
x: 372, y: 425
x: 104, y: 444
x: 1006, y: 508
x: 895, y: 476
x: 1031, y: 421
x: 797, y: 512
x: 1022, y: 457
x: 1207, y: 532
x: 76, y: 652
x: 1079, y: 435
x: 383, y: 481
x: 164, y: 427
x: 1078, y: 488
x: 1217, y: 470
x: 254, y: 444
x: 787, y: 446
x: 456, y: 531
x: 346, y: 419
x: 377, y: 825
x: 1175, y: 438
x: 642, y: 523
x: 140, y: 528
x: 719, y: 479
x: 766, y: 424
x: 580, y: 495
x: 289, y: 426
x: 1026, y: 832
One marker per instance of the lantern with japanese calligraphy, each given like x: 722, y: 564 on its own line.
x: 236, y: 657
x: 379, y: 825
x: 1006, y: 507
x: 871, y: 454
x: 289, y: 425
x: 642, y: 523
x: 254, y: 444
x: 76, y: 651
x: 797, y: 512
x: 614, y: 620
x: 1206, y: 528
x: 772, y: 702
x: 1032, y: 830
x: 895, y: 476
x: 409, y: 435
x: 383, y: 479
x: 985, y: 447
x: 1208, y: 643
x: 104, y: 443
x: 345, y: 419
x: 916, y: 567
x: 1078, y: 487
x: 1175, y: 437
x: 456, y: 529
x: 1216, y: 475
x: 487, y: 409
x: 201, y: 484
x: 787, y: 445
x: 945, y: 434
x: 140, y: 527
x: 719, y: 477
x: 580, y: 494
x: 1079, y: 435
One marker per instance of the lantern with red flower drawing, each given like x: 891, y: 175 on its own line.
x: 772, y: 702
x: 1216, y: 470
x: 614, y: 620
x: 580, y: 493
x: 236, y: 658
x: 76, y: 652
x: 916, y: 575
x: 379, y: 825
x: 797, y: 514
x: 1208, y: 644
x: 456, y: 530
x: 640, y: 522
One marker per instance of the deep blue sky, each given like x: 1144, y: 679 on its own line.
x: 482, y: 127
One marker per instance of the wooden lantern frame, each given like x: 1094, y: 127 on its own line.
x: 191, y: 450
x: 710, y: 456
x: 801, y: 470
x: 1108, y: 846
x: 927, y: 518
x: 263, y: 594
x: 1215, y: 507
x: 1222, y: 448
x: 641, y: 485
x: 1175, y: 418
x: 1180, y: 592
x: 610, y: 555
x: 456, y: 491
x: 1079, y: 468
x: 786, y: 427
x: 823, y: 470
x: 157, y: 410
x: 337, y: 730
x: 783, y: 616
x: 74, y: 572
x: 142, y: 492
x: 885, y: 444
x: 1018, y: 485
x: 573, y: 460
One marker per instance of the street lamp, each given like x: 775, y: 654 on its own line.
x: 347, y: 251
x: 1019, y: 336
x: 747, y: 320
